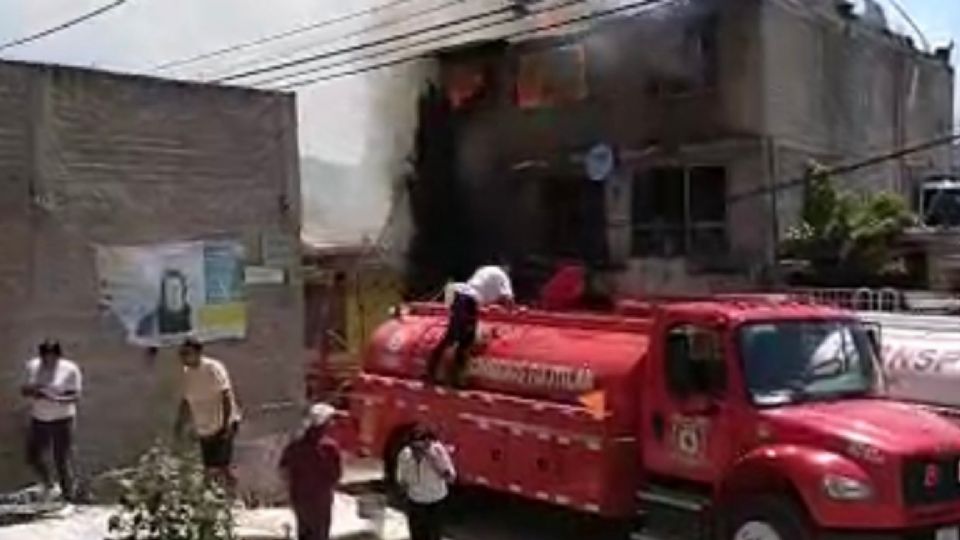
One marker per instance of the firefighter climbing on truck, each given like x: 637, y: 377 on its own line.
x: 746, y: 419
x: 488, y: 285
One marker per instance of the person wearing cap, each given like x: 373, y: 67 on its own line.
x: 312, y: 467
x: 53, y: 386
x: 425, y: 471
x: 210, y: 402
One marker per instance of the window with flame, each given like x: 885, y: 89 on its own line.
x: 551, y: 77
x: 467, y: 84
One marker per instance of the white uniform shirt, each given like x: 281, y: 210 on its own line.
x: 423, y: 480
x: 488, y: 285
x: 63, y: 378
x: 203, y: 388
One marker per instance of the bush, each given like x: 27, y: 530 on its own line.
x: 847, y: 234
x: 168, y: 498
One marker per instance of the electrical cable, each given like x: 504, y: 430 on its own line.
x: 414, y: 45
x: 356, y: 33
x: 280, y: 35
x: 848, y: 168
x: 62, y: 26
x: 367, y: 45
x: 603, y: 14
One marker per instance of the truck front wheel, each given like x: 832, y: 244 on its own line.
x: 766, y: 518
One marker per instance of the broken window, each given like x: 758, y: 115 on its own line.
x: 467, y: 84
x: 690, y: 64
x: 552, y: 77
x: 470, y: 74
x: 680, y: 211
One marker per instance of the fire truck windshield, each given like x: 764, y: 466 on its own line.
x: 792, y: 361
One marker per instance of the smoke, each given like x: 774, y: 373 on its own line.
x: 367, y: 199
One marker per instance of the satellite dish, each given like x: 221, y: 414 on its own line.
x: 600, y: 162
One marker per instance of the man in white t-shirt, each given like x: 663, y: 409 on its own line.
x: 424, y: 471
x: 53, y: 385
x: 210, y: 402
x: 488, y: 285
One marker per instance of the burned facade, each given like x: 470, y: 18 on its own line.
x: 704, y: 106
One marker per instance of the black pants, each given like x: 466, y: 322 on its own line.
x: 314, y: 525
x: 217, y: 450
x: 424, y: 521
x: 59, y: 435
x: 462, y: 331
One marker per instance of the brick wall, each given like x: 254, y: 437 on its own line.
x: 90, y: 158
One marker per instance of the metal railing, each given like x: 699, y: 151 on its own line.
x: 863, y: 299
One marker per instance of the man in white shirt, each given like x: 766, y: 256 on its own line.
x: 210, y: 402
x: 53, y: 385
x: 488, y: 285
x: 424, y: 471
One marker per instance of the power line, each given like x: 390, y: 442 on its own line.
x: 361, y: 46
x: 62, y: 26
x: 377, y: 26
x: 913, y: 24
x: 283, y: 35
x: 416, y: 44
x: 850, y: 167
x: 603, y: 14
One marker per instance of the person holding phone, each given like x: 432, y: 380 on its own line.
x: 53, y: 385
x: 425, y: 471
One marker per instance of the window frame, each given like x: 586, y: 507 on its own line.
x: 707, y: 388
x: 689, y: 226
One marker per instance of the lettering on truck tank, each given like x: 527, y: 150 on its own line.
x: 533, y: 375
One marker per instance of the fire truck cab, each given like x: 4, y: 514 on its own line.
x: 745, y: 419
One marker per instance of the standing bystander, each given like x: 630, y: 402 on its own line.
x: 210, y: 402
x: 53, y: 385
x: 424, y: 471
x: 312, y: 467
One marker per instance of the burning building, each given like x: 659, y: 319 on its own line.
x: 649, y: 145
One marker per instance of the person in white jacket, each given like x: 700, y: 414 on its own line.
x: 488, y: 285
x: 425, y: 471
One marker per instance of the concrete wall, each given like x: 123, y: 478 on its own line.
x: 838, y: 90
x: 89, y: 158
x: 718, y: 123
x: 795, y: 81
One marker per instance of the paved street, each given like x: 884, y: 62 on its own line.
x: 472, y: 516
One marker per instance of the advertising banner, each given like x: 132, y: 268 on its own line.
x: 164, y: 293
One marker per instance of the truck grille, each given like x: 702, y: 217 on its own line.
x: 931, y: 480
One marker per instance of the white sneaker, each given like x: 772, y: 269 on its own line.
x: 65, y: 511
x: 52, y: 493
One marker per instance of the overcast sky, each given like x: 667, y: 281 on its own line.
x: 335, y: 119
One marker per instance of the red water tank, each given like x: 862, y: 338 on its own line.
x: 561, y: 358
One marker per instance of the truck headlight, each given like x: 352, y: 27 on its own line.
x: 844, y: 488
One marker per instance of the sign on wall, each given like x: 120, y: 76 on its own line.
x: 164, y: 293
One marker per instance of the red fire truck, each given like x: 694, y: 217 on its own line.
x: 734, y: 418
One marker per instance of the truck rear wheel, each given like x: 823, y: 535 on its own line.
x: 767, y: 518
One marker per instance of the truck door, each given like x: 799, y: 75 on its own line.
x: 687, y: 431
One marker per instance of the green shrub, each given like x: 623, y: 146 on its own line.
x: 168, y: 498
x: 847, y: 233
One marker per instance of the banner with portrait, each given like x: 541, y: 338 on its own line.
x: 165, y: 293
